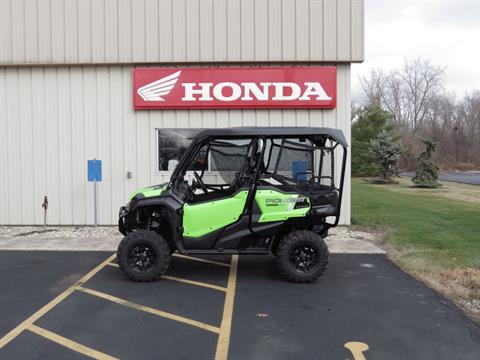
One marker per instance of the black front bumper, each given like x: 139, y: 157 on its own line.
x: 122, y: 214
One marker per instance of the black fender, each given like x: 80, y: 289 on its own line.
x: 170, y: 209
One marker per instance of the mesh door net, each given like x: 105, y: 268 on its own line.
x: 229, y: 157
x: 291, y: 159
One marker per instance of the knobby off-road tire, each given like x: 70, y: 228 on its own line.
x: 143, y: 256
x: 302, y: 256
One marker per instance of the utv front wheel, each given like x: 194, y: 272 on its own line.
x: 143, y: 255
x: 302, y: 256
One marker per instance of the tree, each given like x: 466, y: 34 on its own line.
x: 368, y: 125
x: 373, y: 86
x: 386, y: 152
x: 421, y: 108
x: 422, y: 82
x: 406, y: 93
x: 426, y: 175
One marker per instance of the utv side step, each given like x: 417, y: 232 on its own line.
x: 226, y: 252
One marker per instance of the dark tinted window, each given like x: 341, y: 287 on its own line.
x: 172, y: 144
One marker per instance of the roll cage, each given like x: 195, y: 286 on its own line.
x: 265, y: 153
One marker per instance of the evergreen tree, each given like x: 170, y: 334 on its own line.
x: 386, y: 151
x: 369, y: 124
x: 426, y: 175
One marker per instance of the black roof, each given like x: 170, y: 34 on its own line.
x: 335, y: 134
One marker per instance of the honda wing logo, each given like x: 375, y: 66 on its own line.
x: 155, y: 90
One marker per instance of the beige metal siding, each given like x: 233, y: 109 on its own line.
x: 357, y: 30
x: 52, y: 120
x: 149, y: 31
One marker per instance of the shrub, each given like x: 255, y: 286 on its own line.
x: 380, y: 181
x: 426, y: 175
x: 386, y: 152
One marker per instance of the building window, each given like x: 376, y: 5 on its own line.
x: 221, y: 155
x: 172, y: 143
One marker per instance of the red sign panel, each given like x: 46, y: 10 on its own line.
x: 213, y: 88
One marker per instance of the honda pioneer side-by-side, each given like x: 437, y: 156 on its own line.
x: 246, y: 190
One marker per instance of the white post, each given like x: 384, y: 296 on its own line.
x: 95, y: 202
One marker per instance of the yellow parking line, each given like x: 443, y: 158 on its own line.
x: 70, y: 344
x: 46, y: 308
x: 225, y: 328
x: 357, y: 349
x: 193, y: 282
x: 201, y: 260
x: 187, y: 281
x: 150, y: 310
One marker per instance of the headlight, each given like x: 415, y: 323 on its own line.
x: 123, y: 211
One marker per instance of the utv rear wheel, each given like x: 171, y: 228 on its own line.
x: 143, y: 255
x: 302, y: 256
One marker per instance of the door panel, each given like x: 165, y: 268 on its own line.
x: 203, y: 218
x: 278, y: 206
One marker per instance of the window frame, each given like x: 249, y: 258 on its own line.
x: 157, y: 156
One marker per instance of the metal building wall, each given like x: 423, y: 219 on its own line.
x: 143, y: 31
x: 52, y: 119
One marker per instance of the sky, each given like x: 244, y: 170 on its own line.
x: 446, y: 32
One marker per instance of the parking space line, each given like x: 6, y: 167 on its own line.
x: 150, y: 310
x: 69, y: 343
x: 225, y: 328
x: 201, y: 260
x: 187, y: 281
x: 357, y: 349
x: 193, y: 282
x: 12, y: 334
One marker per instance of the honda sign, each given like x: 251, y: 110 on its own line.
x: 214, y: 88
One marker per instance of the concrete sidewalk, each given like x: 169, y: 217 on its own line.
x: 342, y: 240
x: 59, y: 244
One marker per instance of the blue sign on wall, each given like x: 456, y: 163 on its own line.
x: 299, y: 170
x: 94, y: 170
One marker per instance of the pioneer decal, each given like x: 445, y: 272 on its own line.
x: 260, y: 87
x: 289, y: 200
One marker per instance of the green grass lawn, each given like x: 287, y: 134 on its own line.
x: 429, y: 231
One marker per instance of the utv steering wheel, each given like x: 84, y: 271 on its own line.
x: 199, y: 181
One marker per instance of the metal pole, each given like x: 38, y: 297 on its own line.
x: 95, y: 202
x: 45, y: 207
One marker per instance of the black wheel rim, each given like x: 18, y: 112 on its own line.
x: 141, y: 258
x: 304, y: 258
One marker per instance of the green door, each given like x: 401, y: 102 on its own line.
x: 203, y: 218
x: 279, y: 206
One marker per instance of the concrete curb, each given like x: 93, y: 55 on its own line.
x: 59, y: 244
x: 335, y: 245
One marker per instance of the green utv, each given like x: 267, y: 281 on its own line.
x: 246, y: 190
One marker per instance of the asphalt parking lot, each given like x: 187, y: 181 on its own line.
x: 77, y: 305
